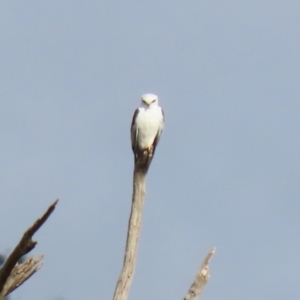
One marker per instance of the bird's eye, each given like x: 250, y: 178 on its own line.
x: 153, y: 101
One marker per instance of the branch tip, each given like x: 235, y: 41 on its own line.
x: 201, y: 278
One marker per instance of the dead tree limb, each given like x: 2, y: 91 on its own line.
x: 20, y: 273
x: 134, y: 227
x: 201, y: 278
x: 12, y: 275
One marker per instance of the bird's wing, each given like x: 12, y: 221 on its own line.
x: 160, y: 129
x: 134, y: 131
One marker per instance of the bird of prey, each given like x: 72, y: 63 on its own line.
x: 146, y: 128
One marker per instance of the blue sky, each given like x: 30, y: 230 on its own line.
x: 226, y: 171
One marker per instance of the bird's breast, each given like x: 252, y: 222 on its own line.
x: 148, y: 123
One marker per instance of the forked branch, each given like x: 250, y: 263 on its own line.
x: 20, y: 273
x: 12, y: 274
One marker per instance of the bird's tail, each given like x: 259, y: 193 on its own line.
x: 143, y: 159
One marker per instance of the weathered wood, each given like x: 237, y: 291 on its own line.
x: 201, y: 278
x: 20, y: 273
x: 133, y: 233
x: 25, y: 245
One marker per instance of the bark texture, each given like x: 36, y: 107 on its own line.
x: 201, y: 278
x: 12, y: 274
x: 133, y: 233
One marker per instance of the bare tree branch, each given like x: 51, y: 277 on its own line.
x: 201, y: 278
x: 20, y: 273
x: 25, y: 245
x: 134, y: 226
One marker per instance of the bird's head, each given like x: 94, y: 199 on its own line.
x: 149, y: 100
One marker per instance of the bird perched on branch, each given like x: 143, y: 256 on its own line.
x: 146, y: 128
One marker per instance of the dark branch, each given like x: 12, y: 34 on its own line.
x: 25, y: 245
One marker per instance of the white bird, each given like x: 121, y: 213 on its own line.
x: 146, y: 128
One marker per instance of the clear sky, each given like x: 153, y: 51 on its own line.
x: 226, y: 172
